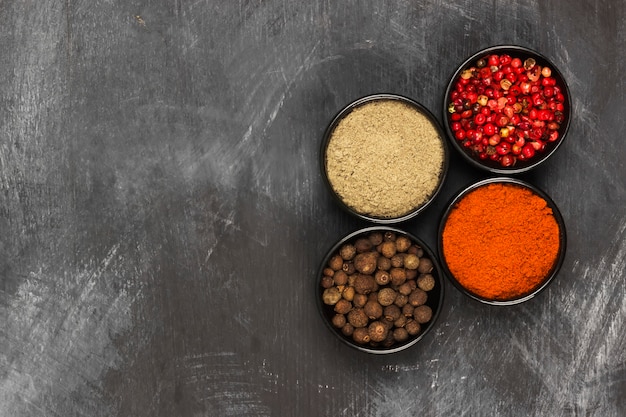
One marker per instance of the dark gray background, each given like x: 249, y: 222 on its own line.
x: 162, y: 214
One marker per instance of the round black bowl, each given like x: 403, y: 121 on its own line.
x: 411, y: 212
x: 434, y: 301
x: 549, y: 277
x: 471, y: 155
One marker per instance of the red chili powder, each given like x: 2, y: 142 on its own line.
x: 500, y: 241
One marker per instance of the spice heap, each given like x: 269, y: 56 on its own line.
x: 376, y: 289
x: 384, y: 158
x: 505, y: 109
x: 500, y: 241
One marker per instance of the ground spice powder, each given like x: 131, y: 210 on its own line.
x: 500, y: 241
x: 384, y: 158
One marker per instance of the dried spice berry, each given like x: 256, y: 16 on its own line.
x: 347, y: 252
x: 357, y: 318
x: 361, y: 335
x: 388, y: 249
x: 377, y: 331
x: 412, y: 327
x: 425, y: 266
x: 382, y: 277
x: 331, y: 296
x: 426, y: 282
x: 411, y: 261
x: 386, y: 296
x: 366, y: 262
x: 374, y: 291
x: 403, y: 243
x: 339, y: 320
x: 423, y: 314
x: 373, y: 309
x: 343, y: 306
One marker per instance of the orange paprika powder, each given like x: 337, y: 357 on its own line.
x: 500, y: 241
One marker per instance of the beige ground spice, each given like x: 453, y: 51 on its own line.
x: 384, y: 158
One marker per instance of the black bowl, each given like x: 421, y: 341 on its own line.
x: 434, y: 300
x: 472, y: 155
x: 410, y: 212
x: 547, y: 279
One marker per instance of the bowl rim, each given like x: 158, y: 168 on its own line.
x: 380, y: 97
x: 557, y: 216
x: 554, y: 146
x: 439, y: 279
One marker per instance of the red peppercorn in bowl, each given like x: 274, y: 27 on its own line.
x: 507, y: 109
x: 379, y: 289
x: 502, y: 241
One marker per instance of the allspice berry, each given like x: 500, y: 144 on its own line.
x: 375, y: 238
x: 386, y: 296
x: 327, y: 281
x: 347, y: 329
x: 339, y: 320
x: 416, y: 250
x: 423, y: 314
x: 348, y: 268
x: 365, y: 262
x: 340, y: 277
x: 364, y: 284
x: 357, y: 318
x: 426, y: 266
x: 407, y: 310
x: 405, y: 288
x: 348, y: 293
x: 389, y: 236
x: 361, y: 335
x: 397, y: 260
x: 382, y: 277
x: 412, y: 327
x: 384, y: 264
x: 400, y: 334
x: 417, y: 297
x: 377, y: 331
x: 388, y: 249
x: 426, y: 282
x: 335, y: 263
x: 343, y: 306
x: 363, y: 245
x: 398, y: 276
x: 400, y: 321
x: 401, y: 300
x: 359, y: 300
x: 403, y: 243
x: 331, y: 295
x: 392, y: 313
x: 373, y: 309
x: 411, y: 261
x: 347, y: 252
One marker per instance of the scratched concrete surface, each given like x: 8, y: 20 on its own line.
x: 162, y: 214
